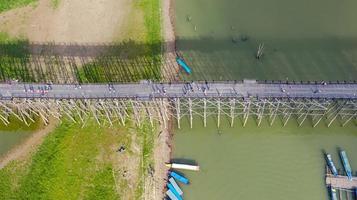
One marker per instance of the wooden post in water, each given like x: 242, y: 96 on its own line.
x: 204, y: 112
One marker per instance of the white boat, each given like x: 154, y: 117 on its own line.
x: 183, y: 166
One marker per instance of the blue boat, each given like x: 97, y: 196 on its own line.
x: 171, y: 195
x: 331, y: 164
x: 174, y: 191
x: 346, y: 165
x: 175, y: 185
x: 183, y: 64
x: 333, y: 193
x: 180, y: 178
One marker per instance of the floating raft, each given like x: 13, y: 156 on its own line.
x: 346, y: 165
x: 331, y: 164
x: 183, y: 166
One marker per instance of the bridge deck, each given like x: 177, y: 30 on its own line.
x: 149, y: 90
x: 341, y: 182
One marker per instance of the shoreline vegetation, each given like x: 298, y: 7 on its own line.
x: 6, y: 5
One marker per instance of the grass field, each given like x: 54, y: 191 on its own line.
x: 82, y: 163
x: 10, y: 4
x: 14, y: 60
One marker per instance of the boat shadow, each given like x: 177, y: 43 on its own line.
x: 184, y: 161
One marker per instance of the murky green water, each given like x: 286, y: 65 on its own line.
x: 271, y: 163
x: 10, y: 139
x: 303, y: 39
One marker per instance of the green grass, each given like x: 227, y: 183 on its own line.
x: 55, y: 3
x: 14, y: 58
x: 77, y: 163
x: 10, y: 4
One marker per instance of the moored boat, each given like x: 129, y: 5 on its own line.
x: 183, y: 166
x: 331, y: 164
x: 346, y: 164
x: 179, y: 177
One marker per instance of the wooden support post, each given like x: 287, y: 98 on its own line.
x: 219, y: 112
x: 178, y: 112
x: 349, y: 119
x: 261, y: 113
x: 147, y: 107
x: 246, y: 113
x: 136, y: 112
x: 163, y: 107
x: 190, y: 111
x: 273, y: 114
x: 204, y: 112
x: 232, y: 105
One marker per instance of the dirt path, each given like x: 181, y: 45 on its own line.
x: 30, y: 145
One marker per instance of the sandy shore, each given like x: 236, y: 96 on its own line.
x: 163, y: 141
x: 170, y: 67
x: 30, y: 145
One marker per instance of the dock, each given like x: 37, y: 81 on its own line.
x: 341, y: 182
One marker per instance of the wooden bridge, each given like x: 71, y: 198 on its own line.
x: 236, y: 101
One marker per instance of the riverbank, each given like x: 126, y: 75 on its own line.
x: 29, y: 145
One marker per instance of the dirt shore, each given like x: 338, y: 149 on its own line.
x: 30, y: 145
x: 163, y: 142
x: 170, y: 67
x: 74, y: 21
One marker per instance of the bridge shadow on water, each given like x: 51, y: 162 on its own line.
x: 209, y: 58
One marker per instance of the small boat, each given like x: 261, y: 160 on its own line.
x: 346, y: 165
x: 183, y: 64
x: 331, y: 164
x: 179, y: 177
x: 183, y: 166
x: 171, y: 195
x: 333, y: 193
x: 172, y: 189
x: 174, y: 184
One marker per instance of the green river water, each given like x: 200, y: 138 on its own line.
x: 303, y: 40
x: 10, y: 139
x: 271, y: 163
